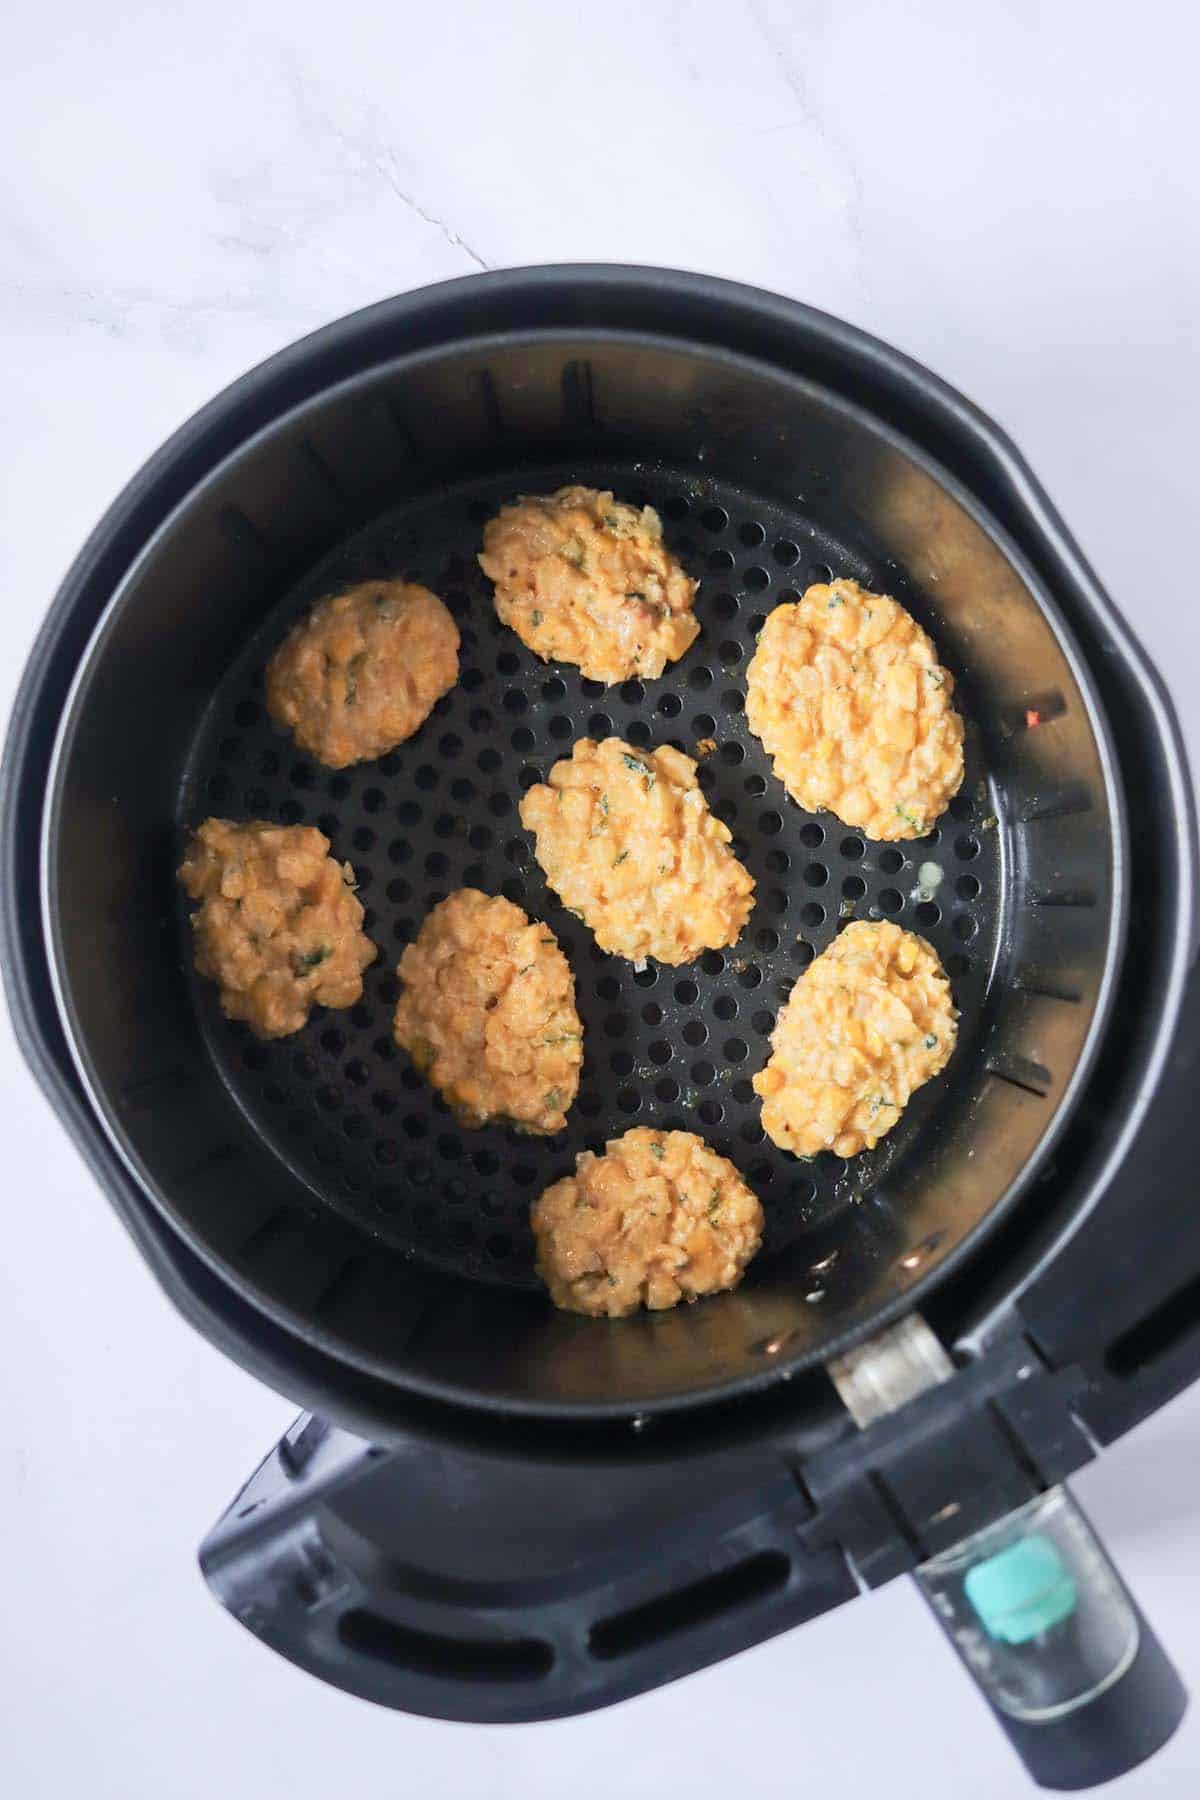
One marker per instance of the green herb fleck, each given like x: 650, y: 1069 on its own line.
x: 525, y: 970
x: 604, y: 804
x: 384, y: 607
x: 553, y: 1100
x: 931, y: 1042
x: 537, y: 617
x: 634, y: 595
x: 834, y: 600
x: 638, y: 767
x: 310, y: 959
x: 612, y: 1281
x: 656, y: 1150
x: 909, y: 817
x: 936, y: 677
x: 624, y: 857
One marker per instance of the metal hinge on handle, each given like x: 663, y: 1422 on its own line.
x: 1008, y: 1563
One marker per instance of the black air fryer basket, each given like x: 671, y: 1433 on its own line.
x: 318, y: 1212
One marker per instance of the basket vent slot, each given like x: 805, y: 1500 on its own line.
x: 1158, y: 1333
x: 628, y: 1632
x: 460, y: 1659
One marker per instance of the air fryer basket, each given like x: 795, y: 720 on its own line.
x: 318, y: 1176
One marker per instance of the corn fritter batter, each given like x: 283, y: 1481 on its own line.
x: 488, y: 1014
x: 626, y: 840
x: 363, y: 670
x: 659, y: 1218
x: 278, y: 926
x: 849, y: 699
x: 867, y: 1024
x: 583, y: 578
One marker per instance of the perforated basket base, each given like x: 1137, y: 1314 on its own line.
x: 340, y: 1104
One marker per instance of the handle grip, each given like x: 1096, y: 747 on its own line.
x: 490, y: 1589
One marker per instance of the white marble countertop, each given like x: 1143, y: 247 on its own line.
x: 1009, y: 193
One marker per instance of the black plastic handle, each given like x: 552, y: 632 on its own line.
x: 496, y: 1590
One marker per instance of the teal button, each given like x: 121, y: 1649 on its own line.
x: 1022, y: 1591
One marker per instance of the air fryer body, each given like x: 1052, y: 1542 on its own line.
x: 1014, y: 1213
